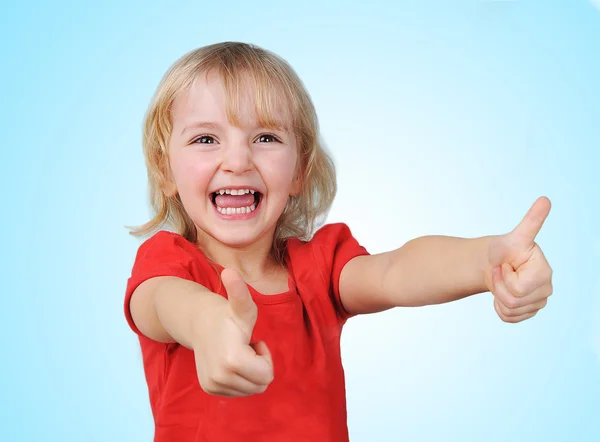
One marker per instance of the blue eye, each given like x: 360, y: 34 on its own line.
x: 205, y: 139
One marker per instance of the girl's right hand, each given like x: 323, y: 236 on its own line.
x: 226, y: 362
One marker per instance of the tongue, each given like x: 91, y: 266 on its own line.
x: 235, y: 200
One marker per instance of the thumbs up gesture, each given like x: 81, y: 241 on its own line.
x: 228, y: 364
x: 518, y: 274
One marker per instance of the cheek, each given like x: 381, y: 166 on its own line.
x: 191, y: 172
x: 282, y: 169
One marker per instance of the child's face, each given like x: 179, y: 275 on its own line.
x: 210, y: 157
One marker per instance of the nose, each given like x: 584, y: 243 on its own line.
x: 237, y: 158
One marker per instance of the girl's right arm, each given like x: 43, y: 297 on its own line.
x: 169, y: 309
x: 218, y: 330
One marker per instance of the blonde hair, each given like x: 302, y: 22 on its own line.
x: 242, y: 67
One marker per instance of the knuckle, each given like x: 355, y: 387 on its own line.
x: 511, y: 302
x: 266, y: 377
x: 519, y: 290
x: 497, y: 307
x: 516, y: 319
x: 220, y: 377
x: 502, y: 308
x: 266, y: 381
x: 260, y: 389
x: 230, y: 362
x: 543, y: 272
x: 209, y: 387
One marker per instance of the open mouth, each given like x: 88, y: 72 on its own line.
x: 236, y: 201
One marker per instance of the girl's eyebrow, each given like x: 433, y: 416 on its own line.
x: 200, y: 124
x: 278, y: 125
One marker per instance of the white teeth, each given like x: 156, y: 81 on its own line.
x: 236, y: 210
x: 235, y: 191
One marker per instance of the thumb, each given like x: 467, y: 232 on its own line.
x: 532, y: 222
x: 241, y: 304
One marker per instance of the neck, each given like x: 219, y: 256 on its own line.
x: 252, y: 261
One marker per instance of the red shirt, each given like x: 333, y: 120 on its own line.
x: 306, y: 400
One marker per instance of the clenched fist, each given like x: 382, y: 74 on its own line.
x: 518, y: 274
x: 228, y: 364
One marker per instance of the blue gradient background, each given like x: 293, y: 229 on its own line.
x: 443, y: 118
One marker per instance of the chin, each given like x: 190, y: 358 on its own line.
x: 237, y: 237
x: 236, y: 241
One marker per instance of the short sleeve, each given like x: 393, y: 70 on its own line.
x: 164, y: 254
x: 338, y: 247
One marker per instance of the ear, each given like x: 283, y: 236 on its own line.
x: 167, y: 183
x: 298, y: 180
x: 296, y: 186
x: 169, y: 188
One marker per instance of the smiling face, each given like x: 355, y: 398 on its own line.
x: 233, y: 177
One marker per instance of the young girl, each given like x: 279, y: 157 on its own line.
x: 239, y: 308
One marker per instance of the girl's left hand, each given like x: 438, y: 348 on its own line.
x: 518, y: 274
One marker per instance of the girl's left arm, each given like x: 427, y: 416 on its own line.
x: 438, y: 269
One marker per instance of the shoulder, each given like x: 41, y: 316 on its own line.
x: 325, y: 256
x: 169, y: 254
x: 165, y: 241
x: 336, y: 244
x: 329, y: 237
